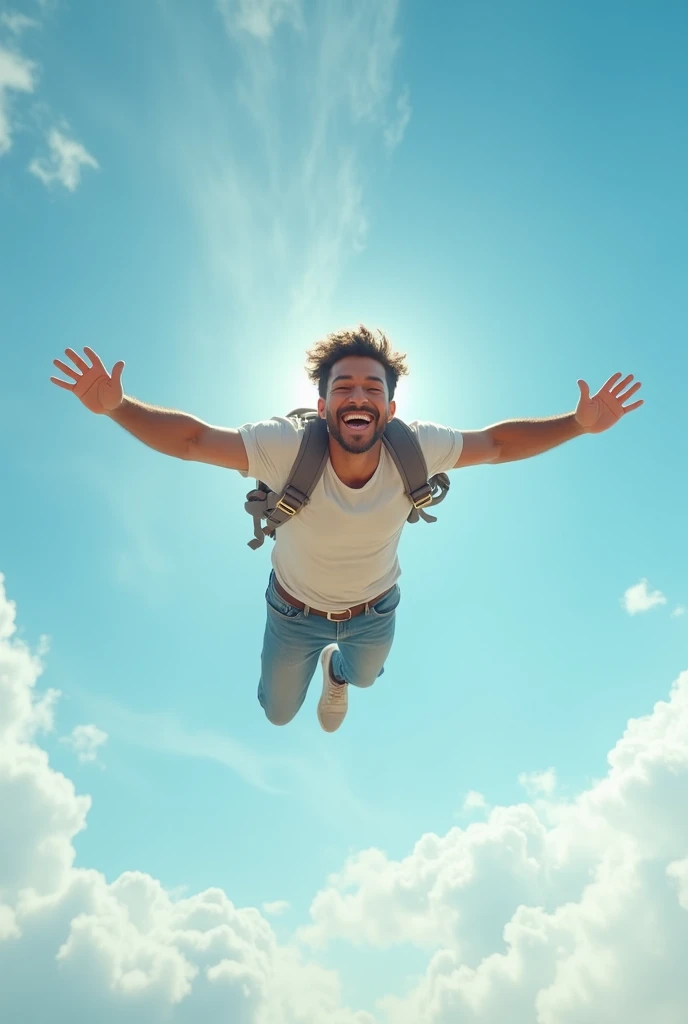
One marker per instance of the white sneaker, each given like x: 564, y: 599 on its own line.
x: 334, y: 701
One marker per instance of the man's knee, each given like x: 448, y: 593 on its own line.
x: 363, y: 684
x: 278, y: 716
x: 363, y: 676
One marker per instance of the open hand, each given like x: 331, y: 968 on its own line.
x: 99, y: 391
x: 607, y: 407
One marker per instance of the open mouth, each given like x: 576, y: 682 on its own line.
x: 357, y: 422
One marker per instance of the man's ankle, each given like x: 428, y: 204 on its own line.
x: 334, y: 679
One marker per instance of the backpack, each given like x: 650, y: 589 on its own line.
x: 399, y: 440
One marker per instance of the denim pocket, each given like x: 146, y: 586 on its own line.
x: 387, y: 604
x: 277, y: 603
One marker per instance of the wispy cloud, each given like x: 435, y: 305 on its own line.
x: 678, y: 611
x: 639, y: 598
x: 474, y: 801
x: 64, y: 163
x: 162, y: 732
x: 17, y: 23
x: 539, y: 783
x: 276, y: 908
x: 17, y: 74
x: 66, y: 157
x: 396, y: 129
x: 85, y: 741
x: 278, y: 170
x: 259, y: 18
x: 312, y: 778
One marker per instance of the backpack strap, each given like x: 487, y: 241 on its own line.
x: 400, y: 441
x: 308, y: 466
x: 402, y: 444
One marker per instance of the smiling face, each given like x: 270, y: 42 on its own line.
x: 357, y: 406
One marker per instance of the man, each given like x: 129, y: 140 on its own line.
x: 333, y: 590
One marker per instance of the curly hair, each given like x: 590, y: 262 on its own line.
x: 354, y: 341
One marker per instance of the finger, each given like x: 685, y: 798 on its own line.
x: 630, y: 392
x: 66, y: 369
x: 612, y: 380
x: 636, y: 405
x: 77, y: 360
x: 117, y: 371
x: 94, y: 357
x: 584, y: 390
x: 618, y: 388
x: 62, y: 383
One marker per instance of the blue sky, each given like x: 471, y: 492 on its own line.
x: 203, y: 191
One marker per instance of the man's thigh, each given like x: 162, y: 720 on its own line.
x: 292, y: 644
x: 365, y: 644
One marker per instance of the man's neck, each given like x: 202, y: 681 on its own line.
x: 354, y: 470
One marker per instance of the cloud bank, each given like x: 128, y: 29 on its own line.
x: 126, y: 951
x: 551, y: 912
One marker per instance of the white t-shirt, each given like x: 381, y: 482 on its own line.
x: 341, y: 549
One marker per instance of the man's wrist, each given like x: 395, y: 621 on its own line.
x: 577, y: 427
x: 112, y: 413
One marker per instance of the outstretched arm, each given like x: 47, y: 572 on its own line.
x: 520, y: 439
x: 166, y: 430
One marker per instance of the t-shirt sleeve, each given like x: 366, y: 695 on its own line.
x: 440, y: 445
x: 271, y: 447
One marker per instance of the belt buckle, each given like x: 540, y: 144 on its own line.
x: 349, y: 616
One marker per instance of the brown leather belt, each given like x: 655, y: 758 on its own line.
x: 348, y: 613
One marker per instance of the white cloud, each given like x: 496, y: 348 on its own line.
x: 678, y: 611
x: 678, y: 872
x: 562, y: 913
x: 85, y: 741
x: 276, y: 908
x: 638, y: 598
x: 66, y: 157
x: 16, y: 75
x: 65, y: 162
x: 474, y: 801
x: 539, y: 782
x: 17, y: 23
x: 125, y: 951
x: 565, y: 912
x: 259, y: 18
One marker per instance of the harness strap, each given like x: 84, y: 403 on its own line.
x: 402, y: 444
x: 306, y: 471
x: 399, y: 440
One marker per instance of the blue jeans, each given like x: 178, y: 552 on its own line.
x: 293, y: 642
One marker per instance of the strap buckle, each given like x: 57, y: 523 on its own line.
x: 283, y: 507
x: 349, y: 616
x: 425, y: 499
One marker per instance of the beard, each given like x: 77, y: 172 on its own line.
x: 356, y: 444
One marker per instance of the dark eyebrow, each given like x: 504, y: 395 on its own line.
x: 347, y: 376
